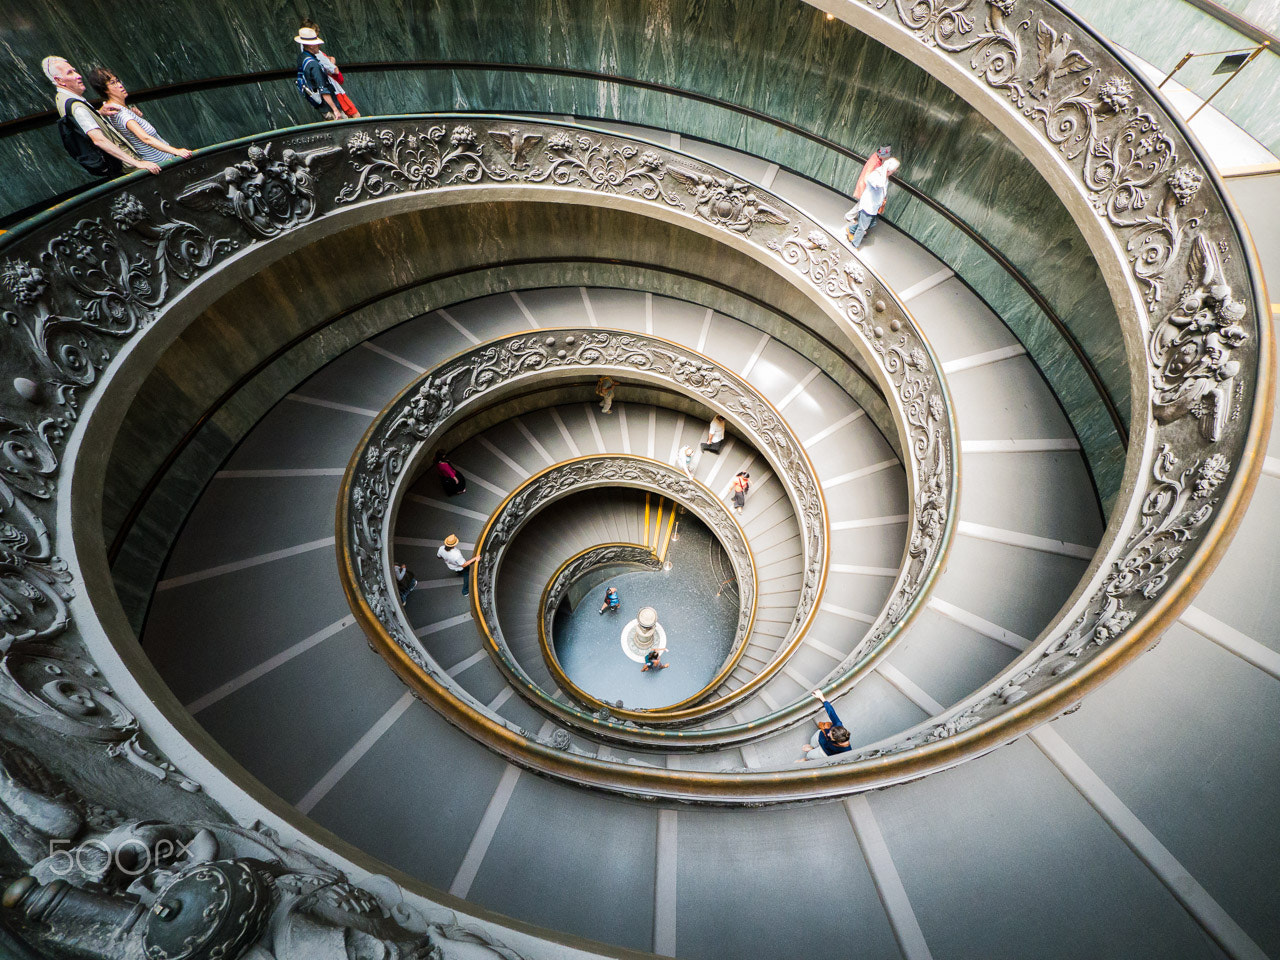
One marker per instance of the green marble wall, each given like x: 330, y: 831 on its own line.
x: 1169, y: 29
x: 1262, y: 13
x: 778, y: 57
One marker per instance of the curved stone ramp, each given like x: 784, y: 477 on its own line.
x: 261, y: 530
x: 335, y: 404
x: 1028, y: 508
x: 700, y: 882
x: 279, y: 691
x: 981, y: 616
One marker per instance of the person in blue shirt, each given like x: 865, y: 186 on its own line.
x: 653, y: 660
x: 833, y: 736
x: 611, y: 600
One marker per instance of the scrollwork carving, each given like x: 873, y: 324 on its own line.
x: 918, y: 392
x: 1174, y: 512
x: 605, y: 166
x: 108, y: 887
x: 390, y: 161
x: 1142, y: 176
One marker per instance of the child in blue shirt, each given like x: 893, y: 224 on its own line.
x: 611, y: 600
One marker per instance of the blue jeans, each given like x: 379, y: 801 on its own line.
x: 865, y: 222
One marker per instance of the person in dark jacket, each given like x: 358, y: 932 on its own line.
x: 405, y: 581
x: 832, y: 738
x: 311, y: 74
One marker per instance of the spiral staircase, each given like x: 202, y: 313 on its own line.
x: 961, y: 527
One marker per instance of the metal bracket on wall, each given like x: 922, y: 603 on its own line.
x: 1233, y: 61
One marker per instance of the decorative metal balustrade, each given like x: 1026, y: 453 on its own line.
x: 592, y: 561
x: 83, y: 287
x: 412, y: 425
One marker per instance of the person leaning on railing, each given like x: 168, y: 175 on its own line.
x: 833, y: 736
x: 107, y: 152
x: 128, y: 121
x: 455, y: 561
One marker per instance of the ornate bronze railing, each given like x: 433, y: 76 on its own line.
x: 91, y: 286
x: 591, y: 561
x: 411, y: 425
x: 87, y: 285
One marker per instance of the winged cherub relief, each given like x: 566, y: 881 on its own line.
x: 267, y: 195
x: 1191, y: 347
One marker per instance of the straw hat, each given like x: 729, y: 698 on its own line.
x: 307, y: 36
x: 451, y: 541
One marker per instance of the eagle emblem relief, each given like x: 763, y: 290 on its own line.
x: 726, y: 202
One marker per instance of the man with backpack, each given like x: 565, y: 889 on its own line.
x: 313, y: 82
x: 97, y: 147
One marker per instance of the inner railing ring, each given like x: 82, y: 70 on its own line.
x: 586, y: 473
x: 410, y: 425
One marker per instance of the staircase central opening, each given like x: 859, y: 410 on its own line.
x: 695, y: 594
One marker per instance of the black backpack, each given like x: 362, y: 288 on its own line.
x: 96, y: 162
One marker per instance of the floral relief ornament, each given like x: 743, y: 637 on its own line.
x: 389, y: 161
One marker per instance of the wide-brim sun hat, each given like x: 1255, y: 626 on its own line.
x: 307, y: 36
x: 451, y: 541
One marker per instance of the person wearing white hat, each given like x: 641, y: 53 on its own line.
x: 336, y: 78
x: 313, y: 82
x: 454, y: 560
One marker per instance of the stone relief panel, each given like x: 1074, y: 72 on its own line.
x: 101, y: 885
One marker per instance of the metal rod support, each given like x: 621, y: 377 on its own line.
x: 1248, y: 60
x: 1181, y: 63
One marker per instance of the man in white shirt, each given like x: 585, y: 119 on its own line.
x: 871, y: 202
x: 455, y: 561
x: 71, y: 102
x: 715, y: 435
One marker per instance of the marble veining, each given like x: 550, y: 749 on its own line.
x: 839, y: 84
